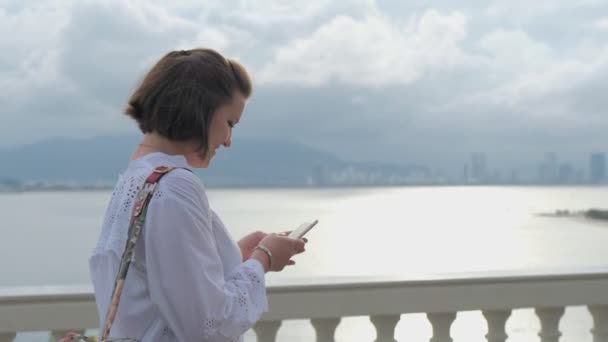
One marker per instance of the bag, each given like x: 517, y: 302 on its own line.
x: 135, y: 226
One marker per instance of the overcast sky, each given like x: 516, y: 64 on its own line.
x: 408, y: 81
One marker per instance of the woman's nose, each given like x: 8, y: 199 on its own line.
x: 228, y: 141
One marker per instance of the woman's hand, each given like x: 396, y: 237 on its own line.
x: 247, y: 244
x: 287, y: 232
x: 282, y: 248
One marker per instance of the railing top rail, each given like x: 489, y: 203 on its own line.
x: 275, y: 285
x: 439, y: 279
x: 30, y: 308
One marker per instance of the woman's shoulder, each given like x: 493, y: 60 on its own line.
x: 182, y: 175
x: 181, y: 183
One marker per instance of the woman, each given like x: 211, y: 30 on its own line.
x: 189, y: 280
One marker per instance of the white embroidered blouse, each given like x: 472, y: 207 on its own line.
x: 188, y: 281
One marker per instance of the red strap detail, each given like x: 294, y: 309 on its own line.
x: 158, y: 172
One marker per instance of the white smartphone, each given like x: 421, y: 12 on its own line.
x: 299, y: 232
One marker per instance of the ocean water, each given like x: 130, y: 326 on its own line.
x: 362, y: 232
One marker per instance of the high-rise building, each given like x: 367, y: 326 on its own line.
x: 479, y: 173
x: 566, y: 174
x: 597, y: 167
x: 548, y: 170
x: 514, y: 178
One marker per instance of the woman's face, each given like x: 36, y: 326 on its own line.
x: 220, y: 132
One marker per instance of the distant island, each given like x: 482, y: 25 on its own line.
x: 595, y: 214
x: 598, y: 214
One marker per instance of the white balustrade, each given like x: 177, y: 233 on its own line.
x: 441, y: 323
x: 7, y: 337
x: 385, y: 327
x: 325, y: 328
x: 600, y: 322
x: 549, y: 323
x: 326, y: 301
x: 266, y: 331
x: 497, y: 321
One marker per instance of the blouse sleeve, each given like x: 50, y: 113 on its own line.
x: 185, y: 273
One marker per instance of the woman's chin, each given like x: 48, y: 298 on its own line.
x: 198, y: 163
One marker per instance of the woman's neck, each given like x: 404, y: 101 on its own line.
x: 153, y: 142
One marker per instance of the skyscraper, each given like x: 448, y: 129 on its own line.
x: 548, y: 170
x: 597, y: 167
x: 479, y: 173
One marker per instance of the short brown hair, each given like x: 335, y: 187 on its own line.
x: 180, y: 94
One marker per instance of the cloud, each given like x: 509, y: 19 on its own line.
x: 601, y: 24
x: 529, y: 9
x: 72, y: 67
x: 30, y: 82
x: 515, y: 50
x: 535, y: 80
x: 373, y: 51
x: 385, y: 80
x: 105, y: 56
x: 273, y: 13
x: 28, y: 43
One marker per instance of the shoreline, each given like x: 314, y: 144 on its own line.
x: 110, y: 187
x: 592, y: 214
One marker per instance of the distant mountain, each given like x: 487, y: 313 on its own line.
x: 265, y: 162
x: 249, y: 162
x: 99, y: 158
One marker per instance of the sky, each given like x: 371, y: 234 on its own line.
x: 401, y: 81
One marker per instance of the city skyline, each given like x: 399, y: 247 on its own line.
x: 550, y: 170
x: 263, y: 162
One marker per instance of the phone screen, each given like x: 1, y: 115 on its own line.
x: 302, y: 229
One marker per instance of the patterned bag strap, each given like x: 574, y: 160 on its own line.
x: 135, y: 226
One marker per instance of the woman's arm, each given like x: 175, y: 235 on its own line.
x: 186, y: 275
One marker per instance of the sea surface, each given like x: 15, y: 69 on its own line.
x: 362, y: 232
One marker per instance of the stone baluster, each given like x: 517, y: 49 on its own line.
x: 267, y: 331
x: 385, y: 327
x: 441, y: 323
x: 325, y: 328
x: 496, y: 320
x: 7, y: 337
x: 549, y: 323
x: 600, y: 322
